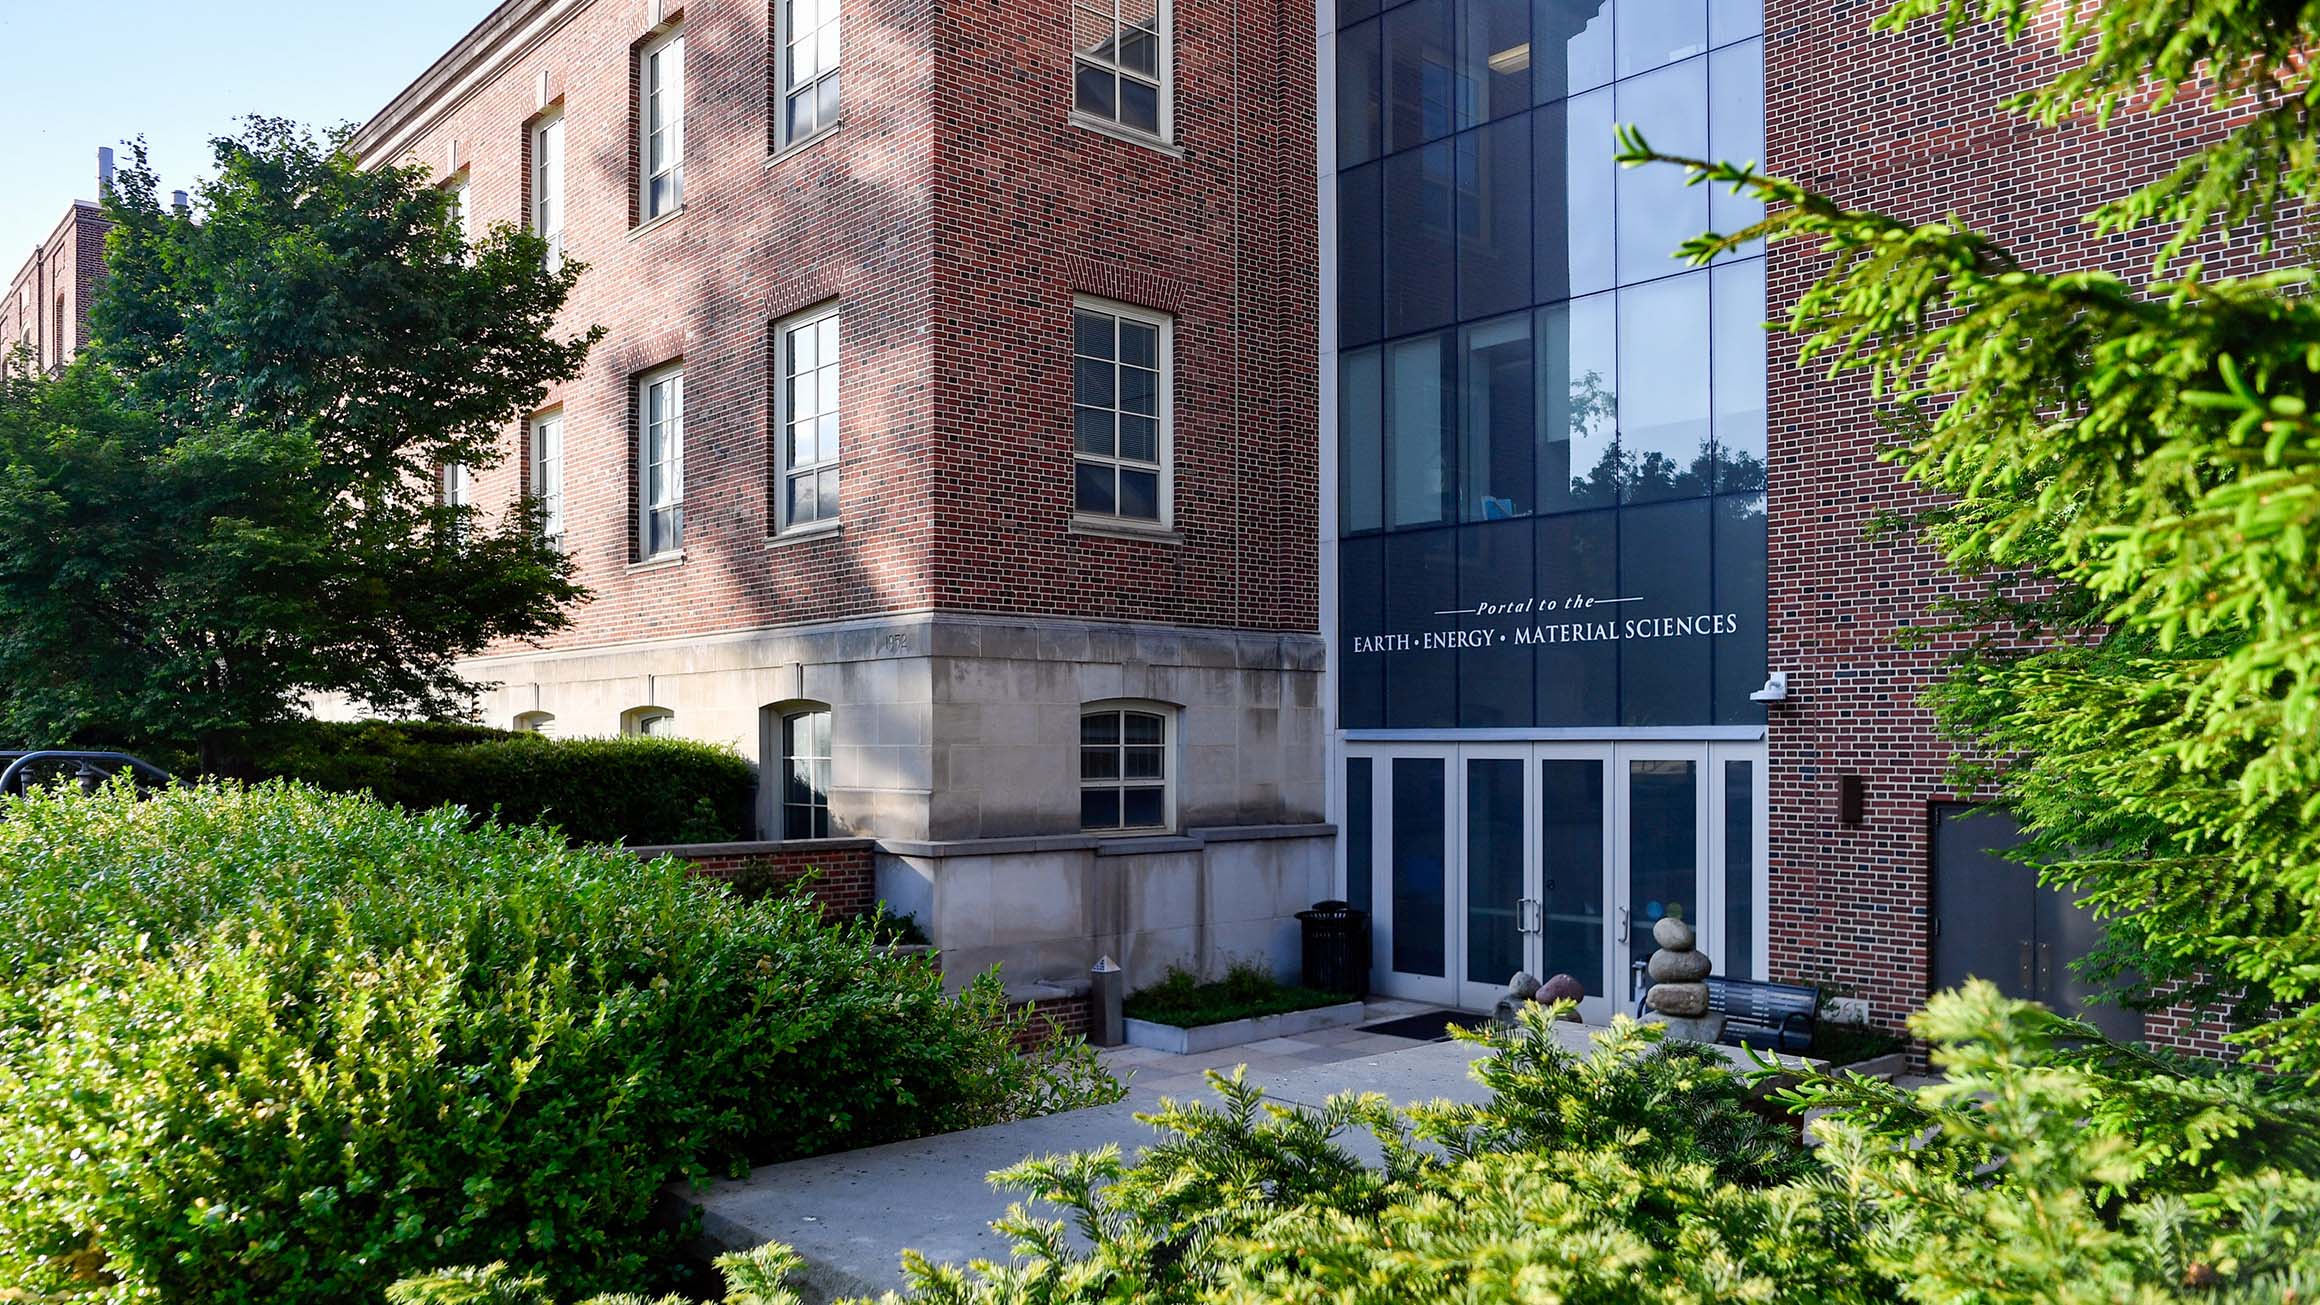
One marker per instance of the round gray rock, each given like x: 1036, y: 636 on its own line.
x: 1680, y: 999
x: 1678, y: 967
x: 1672, y: 933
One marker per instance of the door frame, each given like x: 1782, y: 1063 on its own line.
x: 1710, y: 889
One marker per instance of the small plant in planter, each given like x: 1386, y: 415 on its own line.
x: 1247, y: 991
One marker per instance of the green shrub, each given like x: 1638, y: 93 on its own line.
x: 640, y: 791
x: 2042, y: 1171
x: 273, y: 1045
x: 1247, y: 990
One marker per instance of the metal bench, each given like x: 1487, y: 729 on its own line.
x: 20, y: 770
x: 1781, y: 1017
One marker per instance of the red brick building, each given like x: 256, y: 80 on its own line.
x: 1610, y: 636
x: 46, y: 312
x: 949, y: 452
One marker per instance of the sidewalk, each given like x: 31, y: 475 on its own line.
x: 852, y: 1214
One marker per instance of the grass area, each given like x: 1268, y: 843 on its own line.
x: 1849, y: 1044
x: 1245, y: 992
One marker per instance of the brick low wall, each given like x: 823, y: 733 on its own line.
x: 844, y: 881
x: 1057, y: 1018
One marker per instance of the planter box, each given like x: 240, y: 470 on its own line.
x: 1209, y: 1037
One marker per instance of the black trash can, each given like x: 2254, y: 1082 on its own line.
x: 1336, y: 948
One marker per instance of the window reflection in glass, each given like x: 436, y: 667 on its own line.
x: 1497, y: 471
x: 1420, y: 222
x: 1578, y: 404
x: 1663, y: 385
x: 1574, y: 185
x: 1657, y: 211
x: 1417, y: 464
x: 1571, y: 47
x: 1421, y: 79
x: 1361, y: 436
x: 1360, y: 95
x: 1650, y: 33
x: 1739, y: 382
x: 1736, y: 130
x: 1494, y: 59
x: 1494, y: 220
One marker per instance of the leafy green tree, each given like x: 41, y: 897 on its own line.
x: 2134, y: 470
x: 232, y: 501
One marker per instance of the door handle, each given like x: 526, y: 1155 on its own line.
x: 2029, y: 989
x: 1623, y: 925
x: 1526, y: 915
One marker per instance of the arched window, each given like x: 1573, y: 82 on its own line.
x: 797, y: 769
x: 535, y: 722
x: 1124, y: 766
x: 648, y: 721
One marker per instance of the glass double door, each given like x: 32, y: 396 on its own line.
x: 1477, y: 861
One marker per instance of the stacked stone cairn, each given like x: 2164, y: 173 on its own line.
x: 1677, y: 997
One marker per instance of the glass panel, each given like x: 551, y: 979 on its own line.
x: 1092, y: 430
x: 1578, y: 405
x: 1664, y: 667
x: 1093, y: 382
x: 1139, y: 495
x: 1140, y: 438
x: 1571, y: 45
x: 1096, y: 488
x: 1663, y: 387
x: 1139, y: 344
x: 1361, y: 432
x: 1574, y: 181
x: 1494, y: 59
x: 1735, y: 128
x: 804, y: 503
x: 1097, y: 91
x: 1360, y: 95
x: 1091, y: 334
x: 1421, y: 681
x: 1657, y: 211
x: 1494, y: 869
x: 1099, y: 808
x: 1417, y: 445
x: 1739, y: 958
x: 1420, y: 222
x: 1419, y: 807
x: 1654, y: 32
x: 1736, y: 299
x: 1663, y: 840
x: 1361, y: 682
x: 1361, y: 287
x: 1730, y: 20
x: 1571, y: 873
x: 1144, y: 763
x: 1494, y: 220
x: 1419, y: 80
x: 1360, y: 833
x: 1577, y: 664
x: 1497, y: 469
x: 1139, y: 390
x: 1139, y: 105
x: 1741, y: 597
x: 1143, y: 808
x: 1494, y: 676
x: 1100, y: 727
x: 1142, y: 727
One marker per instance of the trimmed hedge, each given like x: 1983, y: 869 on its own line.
x: 643, y: 791
x: 275, y: 1045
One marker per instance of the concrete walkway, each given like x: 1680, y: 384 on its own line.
x: 852, y: 1214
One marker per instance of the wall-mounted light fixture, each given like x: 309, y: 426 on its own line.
x: 1775, y: 688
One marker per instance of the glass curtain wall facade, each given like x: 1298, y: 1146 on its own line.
x: 1551, y: 431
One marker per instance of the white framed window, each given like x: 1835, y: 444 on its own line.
x: 805, y: 772
x: 661, y: 125
x: 458, y: 492
x: 536, y: 722
x: 1121, y: 52
x: 1122, y: 412
x: 546, y: 483
x: 660, y: 463
x: 548, y: 185
x: 1124, y: 766
x: 648, y: 722
x: 462, y: 208
x: 805, y: 69
x: 806, y: 417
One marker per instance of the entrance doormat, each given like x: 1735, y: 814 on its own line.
x: 1433, y: 1026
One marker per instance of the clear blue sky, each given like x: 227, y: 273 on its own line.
x: 179, y: 72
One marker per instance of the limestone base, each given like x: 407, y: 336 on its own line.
x: 1702, y: 1028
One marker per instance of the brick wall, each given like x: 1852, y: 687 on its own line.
x: 952, y: 215
x: 1054, y: 1019
x: 842, y: 878
x: 1905, y: 124
x: 65, y: 270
